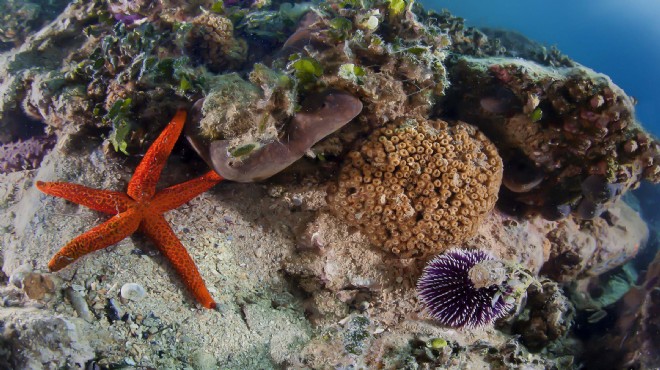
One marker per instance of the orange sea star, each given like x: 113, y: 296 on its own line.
x: 140, y: 208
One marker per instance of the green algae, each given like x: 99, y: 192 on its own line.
x: 119, y: 118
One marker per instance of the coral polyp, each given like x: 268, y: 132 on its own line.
x: 418, y: 186
x: 457, y: 293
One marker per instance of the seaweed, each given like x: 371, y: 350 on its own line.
x: 307, y: 70
x: 119, y: 117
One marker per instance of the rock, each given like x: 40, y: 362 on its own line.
x: 37, y: 286
x: 38, y: 340
x: 634, y: 342
x: 17, y: 276
x: 34, y: 284
x: 547, y: 317
x: 579, y: 251
x: 12, y: 297
x: 569, y: 125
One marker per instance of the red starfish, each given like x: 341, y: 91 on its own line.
x: 140, y: 208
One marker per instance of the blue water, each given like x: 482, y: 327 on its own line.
x: 618, y: 38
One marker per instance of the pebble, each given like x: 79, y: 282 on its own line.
x: 112, y: 311
x: 276, y: 191
x: 12, y: 298
x: 297, y: 200
x: 19, y: 275
x: 79, y: 304
x: 150, y: 320
x: 91, y: 284
x: 132, y: 291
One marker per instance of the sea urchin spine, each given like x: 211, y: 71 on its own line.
x: 450, y: 295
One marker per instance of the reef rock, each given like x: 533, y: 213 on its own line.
x: 25, y: 154
x: 22, y: 18
x: 547, y: 316
x: 634, y: 341
x: 640, y: 314
x: 211, y: 41
x: 574, y: 127
x: 39, y: 340
x: 590, y: 248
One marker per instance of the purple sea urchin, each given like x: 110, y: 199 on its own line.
x: 451, y: 295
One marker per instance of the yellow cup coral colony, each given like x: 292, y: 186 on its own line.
x: 415, y: 186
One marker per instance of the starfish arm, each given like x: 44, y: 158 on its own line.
x: 179, y: 194
x: 101, y: 236
x: 144, y: 180
x: 158, y: 230
x: 110, y: 202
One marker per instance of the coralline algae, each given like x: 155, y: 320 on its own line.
x: 24, y: 154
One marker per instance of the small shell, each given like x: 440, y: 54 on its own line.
x: 132, y: 291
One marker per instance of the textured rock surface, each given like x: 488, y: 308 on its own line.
x: 640, y: 310
x: 33, y: 339
x: 211, y: 40
x: 237, y: 250
x: 571, y: 123
x: 634, y: 340
x: 239, y: 247
x: 547, y: 316
x: 25, y: 154
x: 589, y: 248
x: 22, y: 18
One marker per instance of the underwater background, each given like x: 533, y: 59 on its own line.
x: 619, y: 39
x: 336, y: 184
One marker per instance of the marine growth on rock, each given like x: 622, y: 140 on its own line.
x: 26, y: 154
x: 568, y: 136
x: 320, y: 115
